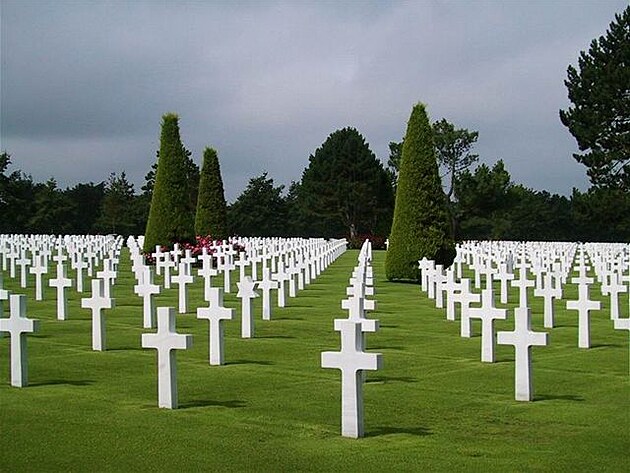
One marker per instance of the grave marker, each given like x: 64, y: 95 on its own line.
x: 523, y: 338
x: 165, y: 341
x: 351, y: 360
x: 61, y: 282
x: 215, y: 314
x: 246, y: 293
x: 97, y: 303
x: 18, y: 325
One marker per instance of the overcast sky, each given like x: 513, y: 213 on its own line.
x: 84, y: 84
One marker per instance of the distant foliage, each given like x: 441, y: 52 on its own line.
x: 600, y: 116
x: 421, y: 222
x: 170, y: 217
x: 260, y: 210
x: 211, y: 215
x: 345, y: 190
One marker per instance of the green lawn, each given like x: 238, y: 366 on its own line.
x: 433, y: 407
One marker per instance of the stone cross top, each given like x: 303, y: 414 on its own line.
x: 351, y: 360
x: 246, y: 293
x: 207, y: 272
x: 266, y: 285
x: 522, y: 283
x: 488, y: 313
x: 583, y: 305
x: 146, y: 289
x: 18, y: 326
x: 97, y: 303
x: 215, y: 314
x: 523, y: 338
x: 165, y: 341
x: 61, y: 282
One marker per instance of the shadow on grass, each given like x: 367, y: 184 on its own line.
x: 391, y: 379
x: 605, y: 345
x: 558, y: 397
x: 273, y: 336
x: 69, y: 382
x: 380, y: 431
x: 386, y: 347
x: 126, y: 349
x: 249, y: 362
x: 388, y: 326
x: 235, y: 404
x: 289, y: 318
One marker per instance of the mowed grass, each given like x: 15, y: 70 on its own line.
x: 433, y: 407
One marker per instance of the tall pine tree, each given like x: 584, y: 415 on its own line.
x: 421, y: 221
x: 170, y: 217
x: 211, y: 218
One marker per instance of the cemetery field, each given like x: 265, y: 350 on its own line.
x: 434, y: 406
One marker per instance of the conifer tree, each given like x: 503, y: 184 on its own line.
x: 421, y: 221
x: 170, y: 218
x: 211, y: 218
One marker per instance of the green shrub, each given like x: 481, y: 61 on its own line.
x: 421, y: 220
x: 170, y: 218
x: 211, y: 217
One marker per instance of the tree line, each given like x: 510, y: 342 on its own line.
x: 331, y: 200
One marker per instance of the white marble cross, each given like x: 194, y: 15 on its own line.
x: 207, y: 272
x: 426, y: 267
x: 108, y: 275
x: 146, y: 289
x: 351, y: 360
x: 242, y: 263
x: 18, y: 325
x: 182, y: 279
x: 227, y: 266
x: 158, y: 258
x: 23, y: 263
x: 188, y: 260
x: 165, y: 341
x: 548, y: 292
x: 439, y: 278
x: 216, y: 313
x: 167, y: 264
x: 522, y: 283
x: 451, y: 287
x: 38, y: 268
x: 246, y: 293
x: 281, y: 276
x: 488, y: 313
x: 583, y: 305
x: 613, y: 288
x: 4, y: 294
x: 97, y: 303
x: 266, y: 285
x: 465, y: 298
x: 79, y: 264
x: 61, y: 282
x: 503, y: 275
x: 523, y: 338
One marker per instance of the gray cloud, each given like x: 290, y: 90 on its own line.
x: 84, y: 84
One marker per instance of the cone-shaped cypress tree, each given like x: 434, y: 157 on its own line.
x: 421, y: 224
x: 211, y: 218
x: 170, y: 218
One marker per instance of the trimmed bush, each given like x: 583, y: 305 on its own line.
x: 170, y: 218
x: 211, y: 218
x: 421, y: 220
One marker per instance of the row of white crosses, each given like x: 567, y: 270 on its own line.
x: 551, y: 265
x: 352, y: 359
x: 18, y: 325
x: 293, y: 263
x: 166, y: 340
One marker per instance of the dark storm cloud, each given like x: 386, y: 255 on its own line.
x: 84, y: 84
